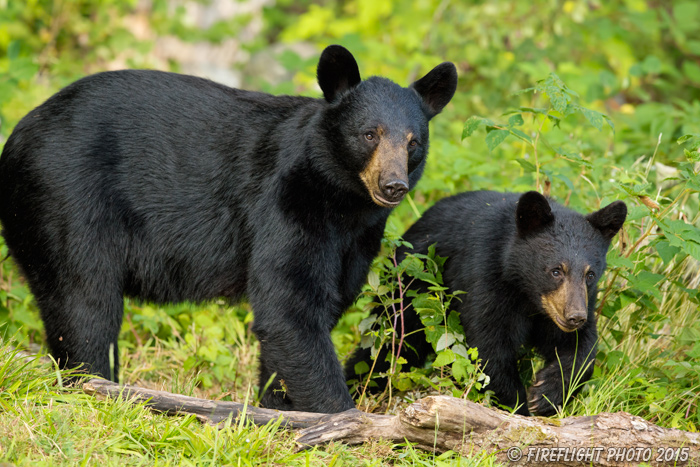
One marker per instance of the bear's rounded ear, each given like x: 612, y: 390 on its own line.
x: 609, y: 220
x: 337, y: 71
x: 532, y: 214
x: 437, y: 88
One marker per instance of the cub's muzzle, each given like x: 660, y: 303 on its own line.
x: 567, y: 306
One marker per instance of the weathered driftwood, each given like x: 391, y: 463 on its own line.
x: 445, y: 423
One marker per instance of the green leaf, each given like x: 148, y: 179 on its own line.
x: 23, y: 68
x: 373, y: 279
x: 617, y: 261
x: 413, y: 265
x: 687, y: 137
x: 472, y: 124
x: 459, y: 370
x: 692, y: 248
x: 692, y: 71
x: 454, y: 323
x: 556, y: 121
x: 646, y: 281
x: 569, y: 184
x: 189, y: 363
x: 523, y: 91
x: 693, y: 46
x: 595, y: 118
x: 533, y: 110
x: 692, y: 156
x: 609, y: 122
x: 290, y: 60
x: 680, y: 231
x: 13, y: 50
x: 651, y: 65
x: 573, y: 157
x: 554, y: 87
x: 526, y: 165
x: 666, y: 251
x: 515, y: 120
x: 496, y: 137
x: 461, y: 350
x: 361, y: 368
x: 444, y: 358
x: 520, y: 135
x: 445, y: 341
x: 366, y: 324
x: 404, y: 382
x: 634, y: 190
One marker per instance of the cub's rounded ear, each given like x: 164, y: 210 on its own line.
x: 337, y: 71
x: 532, y: 214
x: 437, y: 88
x: 609, y: 220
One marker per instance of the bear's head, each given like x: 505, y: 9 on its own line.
x: 560, y: 255
x: 378, y: 130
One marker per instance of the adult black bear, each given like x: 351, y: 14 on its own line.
x: 168, y: 187
x: 530, y: 269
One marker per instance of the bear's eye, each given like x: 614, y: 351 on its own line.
x: 590, y: 275
x: 557, y: 273
x: 369, y: 136
x: 412, y: 144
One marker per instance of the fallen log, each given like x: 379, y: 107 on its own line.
x: 442, y: 423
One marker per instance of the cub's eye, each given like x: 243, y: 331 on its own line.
x: 369, y: 136
x: 413, y: 143
x: 557, y: 273
x: 590, y: 276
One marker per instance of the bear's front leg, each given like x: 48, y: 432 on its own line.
x: 569, y: 364
x: 498, y: 334
x: 302, y: 370
x: 296, y: 303
x: 504, y: 380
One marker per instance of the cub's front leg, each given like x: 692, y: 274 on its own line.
x: 498, y: 336
x: 569, y: 364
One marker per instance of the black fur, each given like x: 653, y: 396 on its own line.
x: 168, y: 187
x: 502, y: 249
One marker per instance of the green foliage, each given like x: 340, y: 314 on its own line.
x: 46, y: 44
x: 392, y: 289
x: 589, y: 101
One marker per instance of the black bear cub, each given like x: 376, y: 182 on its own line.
x: 168, y: 187
x: 530, y: 269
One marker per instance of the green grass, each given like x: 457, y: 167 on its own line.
x: 43, y: 423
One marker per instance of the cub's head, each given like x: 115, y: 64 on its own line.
x: 378, y: 130
x: 561, y: 255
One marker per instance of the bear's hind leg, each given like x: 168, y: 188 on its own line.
x: 82, y: 323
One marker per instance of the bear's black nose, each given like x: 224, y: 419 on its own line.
x: 577, y: 321
x: 395, y: 189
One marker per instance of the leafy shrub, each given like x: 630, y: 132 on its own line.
x: 455, y: 368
